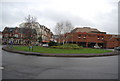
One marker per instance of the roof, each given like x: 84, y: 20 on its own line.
x: 8, y: 30
x: 20, y: 30
x: 87, y: 30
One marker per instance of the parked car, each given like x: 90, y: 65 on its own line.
x: 97, y: 47
x: 45, y: 45
x: 117, y: 48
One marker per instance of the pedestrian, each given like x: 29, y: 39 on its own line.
x: 30, y: 47
x: 10, y: 44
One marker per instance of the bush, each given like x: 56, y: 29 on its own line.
x: 52, y: 43
x: 67, y: 46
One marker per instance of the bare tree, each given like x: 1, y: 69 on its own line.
x: 58, y: 29
x: 63, y: 28
x: 67, y: 27
x: 30, y: 21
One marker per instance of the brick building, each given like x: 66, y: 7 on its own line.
x: 19, y: 35
x: 89, y: 37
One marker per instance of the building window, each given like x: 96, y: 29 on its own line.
x: 6, y: 35
x: 16, y: 35
x: 98, y: 38
x: 84, y: 37
x: 102, y: 37
x: 0, y: 36
x: 79, y: 36
x: 21, y: 35
x: 118, y: 39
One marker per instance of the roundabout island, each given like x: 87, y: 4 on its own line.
x: 60, y: 52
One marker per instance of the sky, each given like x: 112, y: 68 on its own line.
x: 100, y: 14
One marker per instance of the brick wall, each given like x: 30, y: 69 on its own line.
x: 105, y: 40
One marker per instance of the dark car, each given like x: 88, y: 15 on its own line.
x: 117, y: 48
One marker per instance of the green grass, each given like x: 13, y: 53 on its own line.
x: 61, y: 51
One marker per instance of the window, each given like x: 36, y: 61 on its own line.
x: 21, y: 35
x: 98, y: 38
x: 84, y: 37
x: 0, y: 36
x: 16, y: 35
x: 6, y: 35
x: 102, y: 37
x: 79, y: 36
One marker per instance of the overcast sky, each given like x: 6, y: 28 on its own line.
x: 100, y: 14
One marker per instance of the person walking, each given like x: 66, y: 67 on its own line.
x: 30, y: 47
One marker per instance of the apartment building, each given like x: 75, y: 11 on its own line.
x: 42, y: 31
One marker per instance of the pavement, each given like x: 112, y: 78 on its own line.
x: 61, y: 55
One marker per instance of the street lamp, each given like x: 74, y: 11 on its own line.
x: 72, y: 38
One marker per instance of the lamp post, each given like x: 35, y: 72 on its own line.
x: 72, y: 38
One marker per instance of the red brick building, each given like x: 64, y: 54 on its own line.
x: 89, y: 37
x: 18, y: 35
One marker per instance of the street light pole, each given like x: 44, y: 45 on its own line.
x: 72, y: 38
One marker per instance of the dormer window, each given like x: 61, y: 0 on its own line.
x: 10, y: 30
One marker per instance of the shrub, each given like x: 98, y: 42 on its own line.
x: 67, y: 46
x: 52, y: 43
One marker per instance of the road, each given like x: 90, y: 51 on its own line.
x: 19, y: 66
x: 0, y: 62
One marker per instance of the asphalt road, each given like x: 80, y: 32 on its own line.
x: 0, y: 62
x: 17, y: 66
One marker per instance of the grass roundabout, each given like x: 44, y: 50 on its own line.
x: 39, y: 49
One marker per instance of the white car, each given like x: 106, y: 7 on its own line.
x: 45, y: 45
x: 97, y: 47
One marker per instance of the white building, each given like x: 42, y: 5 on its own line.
x: 0, y: 37
x: 42, y: 31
